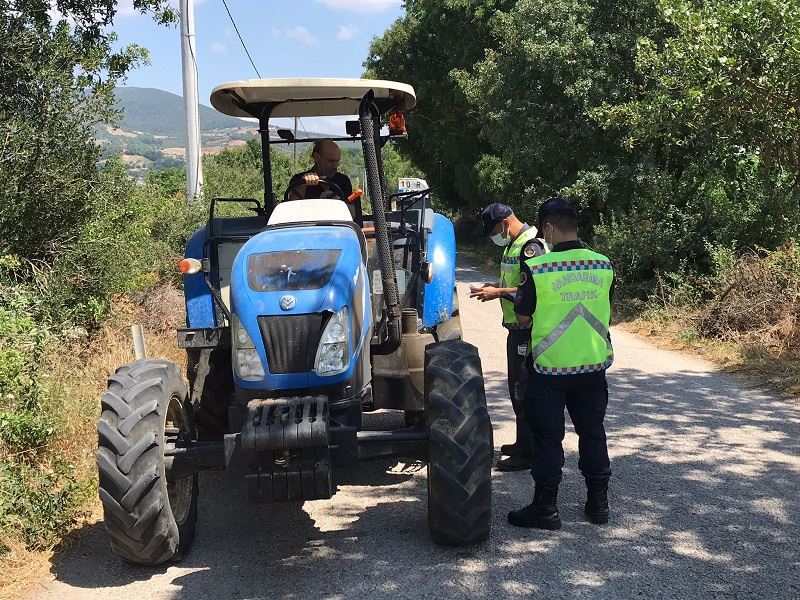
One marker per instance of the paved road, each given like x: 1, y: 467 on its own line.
x: 704, y: 505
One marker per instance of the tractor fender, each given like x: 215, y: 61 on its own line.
x: 199, y: 303
x: 437, y: 296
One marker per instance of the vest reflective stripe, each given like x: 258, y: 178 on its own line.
x: 579, y: 311
x: 509, y: 275
x: 573, y: 312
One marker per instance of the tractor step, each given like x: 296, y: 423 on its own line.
x: 285, y: 445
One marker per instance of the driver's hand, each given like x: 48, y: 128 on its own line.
x: 311, y: 179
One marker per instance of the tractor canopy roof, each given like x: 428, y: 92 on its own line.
x: 308, y: 97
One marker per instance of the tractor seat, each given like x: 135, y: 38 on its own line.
x: 310, y: 211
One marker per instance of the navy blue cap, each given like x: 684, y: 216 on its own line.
x: 493, y: 214
x: 555, y: 205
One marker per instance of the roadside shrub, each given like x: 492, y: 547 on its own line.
x: 37, y: 503
x: 758, y: 297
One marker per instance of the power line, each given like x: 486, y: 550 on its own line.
x: 230, y: 16
x: 302, y: 127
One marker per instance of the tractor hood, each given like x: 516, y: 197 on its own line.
x: 295, y: 271
x: 316, y: 266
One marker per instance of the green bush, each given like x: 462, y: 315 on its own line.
x: 24, y: 431
x: 38, y: 502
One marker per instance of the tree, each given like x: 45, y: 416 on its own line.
x: 427, y: 48
x: 717, y: 115
x: 57, y: 77
x: 725, y: 87
x: 553, y: 61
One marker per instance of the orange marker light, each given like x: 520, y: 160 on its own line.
x: 397, y: 124
x: 189, y: 266
x: 355, y: 195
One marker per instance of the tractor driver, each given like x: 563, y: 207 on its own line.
x: 312, y: 183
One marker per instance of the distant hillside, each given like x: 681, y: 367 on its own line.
x: 158, y: 112
x: 152, y: 131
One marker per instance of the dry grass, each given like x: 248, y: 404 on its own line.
x: 751, y: 324
x: 76, y: 380
x: 80, y: 369
x: 20, y: 569
x: 755, y: 355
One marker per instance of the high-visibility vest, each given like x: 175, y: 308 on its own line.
x: 569, y: 334
x: 509, y: 275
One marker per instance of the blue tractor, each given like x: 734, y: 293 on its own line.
x: 301, y: 318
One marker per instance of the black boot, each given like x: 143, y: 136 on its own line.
x: 542, y: 513
x: 515, y: 462
x: 597, y: 501
x: 508, y: 449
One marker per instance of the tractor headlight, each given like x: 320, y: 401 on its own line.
x: 332, y: 355
x: 246, y: 361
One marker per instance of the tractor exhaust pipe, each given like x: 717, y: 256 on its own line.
x: 370, y: 131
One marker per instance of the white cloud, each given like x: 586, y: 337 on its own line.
x: 302, y: 35
x: 361, y: 5
x: 219, y: 48
x: 347, y: 32
x: 125, y: 8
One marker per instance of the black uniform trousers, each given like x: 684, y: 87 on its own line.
x: 585, y: 396
x: 516, y: 345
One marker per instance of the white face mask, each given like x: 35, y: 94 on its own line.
x: 501, y: 240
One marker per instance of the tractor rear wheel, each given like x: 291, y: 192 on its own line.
x: 213, y: 397
x: 150, y: 519
x: 460, y: 445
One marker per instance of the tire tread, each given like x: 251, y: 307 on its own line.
x: 459, y: 470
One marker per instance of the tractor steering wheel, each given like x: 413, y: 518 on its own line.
x: 323, y: 182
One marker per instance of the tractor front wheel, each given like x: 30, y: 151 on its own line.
x: 150, y: 519
x: 460, y: 445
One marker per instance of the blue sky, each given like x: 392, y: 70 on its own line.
x: 286, y: 38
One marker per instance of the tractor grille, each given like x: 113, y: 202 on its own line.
x: 291, y: 341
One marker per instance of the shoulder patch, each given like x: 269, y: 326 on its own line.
x: 529, y: 251
x: 523, y: 277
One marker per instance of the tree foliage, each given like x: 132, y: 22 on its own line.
x: 427, y: 48
x: 57, y: 77
x: 671, y: 123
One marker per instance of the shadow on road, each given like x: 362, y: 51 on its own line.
x: 704, y: 504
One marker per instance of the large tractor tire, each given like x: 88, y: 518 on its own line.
x: 211, y: 388
x: 150, y: 520
x: 460, y: 445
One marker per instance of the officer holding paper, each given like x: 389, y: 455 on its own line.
x: 519, y: 242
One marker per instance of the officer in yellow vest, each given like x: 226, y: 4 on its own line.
x: 519, y: 241
x: 568, y: 294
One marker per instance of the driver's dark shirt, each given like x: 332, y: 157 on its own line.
x: 316, y: 191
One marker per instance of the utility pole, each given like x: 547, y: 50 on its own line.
x: 294, y: 147
x: 194, y: 168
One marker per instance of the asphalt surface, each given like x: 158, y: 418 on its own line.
x: 704, y: 502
